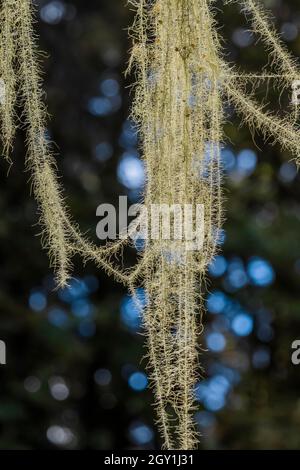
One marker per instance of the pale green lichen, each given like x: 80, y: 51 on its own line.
x: 182, y: 83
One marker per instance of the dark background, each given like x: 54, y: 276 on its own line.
x: 74, y: 376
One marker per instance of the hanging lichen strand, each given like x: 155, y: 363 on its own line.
x: 178, y: 108
x: 181, y: 81
x: 8, y: 22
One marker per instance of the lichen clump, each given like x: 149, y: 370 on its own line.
x: 182, y: 83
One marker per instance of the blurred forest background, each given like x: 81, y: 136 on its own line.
x: 74, y: 377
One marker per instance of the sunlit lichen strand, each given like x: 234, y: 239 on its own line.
x: 9, y: 22
x: 178, y: 109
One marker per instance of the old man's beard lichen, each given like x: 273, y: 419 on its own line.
x: 182, y: 83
